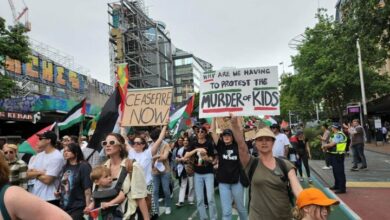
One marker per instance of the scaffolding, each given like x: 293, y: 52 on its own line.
x: 142, y: 43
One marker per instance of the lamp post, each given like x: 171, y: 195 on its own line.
x: 364, y: 105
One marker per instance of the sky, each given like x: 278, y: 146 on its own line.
x: 226, y: 33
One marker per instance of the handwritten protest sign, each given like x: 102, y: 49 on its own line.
x: 225, y: 123
x: 245, y: 92
x: 147, y: 107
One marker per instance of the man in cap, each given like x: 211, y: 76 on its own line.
x: 337, y: 148
x: 46, y: 168
x: 281, y: 144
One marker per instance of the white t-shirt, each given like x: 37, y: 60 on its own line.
x: 280, y: 142
x: 52, y: 164
x: 145, y: 159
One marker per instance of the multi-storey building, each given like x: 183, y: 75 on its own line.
x: 188, y: 71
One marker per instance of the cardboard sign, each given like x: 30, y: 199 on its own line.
x: 225, y: 123
x: 249, y: 135
x: 245, y: 92
x: 147, y: 107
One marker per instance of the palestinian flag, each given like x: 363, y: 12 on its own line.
x: 30, y: 145
x: 74, y: 116
x: 96, y: 214
x: 268, y: 120
x: 107, y: 120
x: 181, y: 119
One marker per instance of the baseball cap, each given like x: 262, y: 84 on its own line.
x: 265, y: 132
x: 48, y: 135
x: 336, y: 125
x: 313, y: 196
x: 227, y: 132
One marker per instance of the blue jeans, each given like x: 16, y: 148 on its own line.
x: 228, y: 192
x: 164, y: 178
x: 199, y: 181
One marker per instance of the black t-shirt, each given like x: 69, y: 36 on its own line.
x: 75, y: 180
x: 301, y: 147
x: 201, y: 166
x: 228, y: 163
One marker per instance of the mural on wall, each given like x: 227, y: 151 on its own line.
x: 20, y: 104
x: 45, y: 71
x: 42, y: 103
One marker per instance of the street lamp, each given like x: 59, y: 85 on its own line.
x: 364, y: 105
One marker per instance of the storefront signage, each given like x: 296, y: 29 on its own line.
x: 16, y: 116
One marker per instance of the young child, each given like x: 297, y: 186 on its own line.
x: 105, y: 194
x: 312, y: 204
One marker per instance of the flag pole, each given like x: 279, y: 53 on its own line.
x: 81, y: 129
x: 57, y: 130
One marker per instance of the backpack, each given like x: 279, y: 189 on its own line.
x: 280, y: 162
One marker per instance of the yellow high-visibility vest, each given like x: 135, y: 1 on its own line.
x: 341, y: 146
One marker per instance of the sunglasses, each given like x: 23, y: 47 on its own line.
x: 8, y: 152
x: 201, y: 132
x: 138, y: 143
x: 105, y: 143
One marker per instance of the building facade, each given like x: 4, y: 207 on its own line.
x: 141, y: 42
x: 188, y: 72
x: 48, y: 89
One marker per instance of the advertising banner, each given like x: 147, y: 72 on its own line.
x: 244, y: 92
x: 147, y: 107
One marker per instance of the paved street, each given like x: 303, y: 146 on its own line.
x: 368, y: 191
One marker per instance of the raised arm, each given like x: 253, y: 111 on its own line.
x: 159, y: 140
x: 239, y: 137
x: 214, y: 134
x: 124, y: 135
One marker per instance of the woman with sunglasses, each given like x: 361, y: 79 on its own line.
x: 18, y: 168
x: 17, y: 203
x: 228, y: 175
x: 203, y: 152
x: 144, y: 156
x: 269, y: 191
x: 75, y: 186
x: 134, y: 187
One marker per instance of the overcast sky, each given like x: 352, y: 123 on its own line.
x: 226, y: 33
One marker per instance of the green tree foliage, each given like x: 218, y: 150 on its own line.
x: 13, y: 44
x: 328, y: 71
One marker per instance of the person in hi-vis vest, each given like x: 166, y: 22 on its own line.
x: 336, y: 148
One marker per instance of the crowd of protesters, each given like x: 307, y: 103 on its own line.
x: 132, y: 173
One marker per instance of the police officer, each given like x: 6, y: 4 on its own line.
x: 337, y: 148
